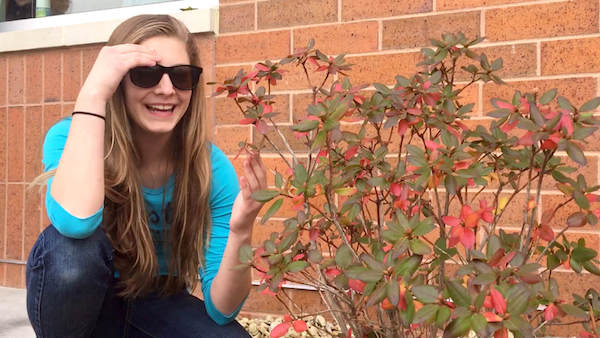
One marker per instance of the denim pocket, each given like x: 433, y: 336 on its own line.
x: 35, y: 259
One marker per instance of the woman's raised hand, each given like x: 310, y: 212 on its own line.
x: 245, y: 208
x: 111, y: 65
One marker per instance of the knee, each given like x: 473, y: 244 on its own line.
x: 70, y: 261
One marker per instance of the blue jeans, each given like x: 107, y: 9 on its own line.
x: 71, y: 293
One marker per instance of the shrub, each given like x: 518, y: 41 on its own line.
x: 398, y: 198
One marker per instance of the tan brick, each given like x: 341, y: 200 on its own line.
x: 577, y: 90
x: 2, y: 224
x: 228, y: 138
x: 253, y: 47
x: 296, y: 143
x: 31, y: 229
x: 362, y: 9
x: 518, y: 60
x: 3, y: 150
x: 52, y: 114
x: 14, y: 221
x: 225, y: 73
x: 544, y: 20
x: 34, y: 78
x: 295, y: 78
x: 236, y: 18
x: 383, y: 68
x: 16, y: 79
x: 570, y: 56
x: 286, y: 13
x: 227, y: 111
x: 260, y: 233
x: 205, y: 43
x: 15, y: 147
x: 443, y: 5
x: 357, y: 37
x: 414, y: 32
x: 559, y: 221
x: 89, y: 55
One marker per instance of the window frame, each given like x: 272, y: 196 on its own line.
x: 94, y: 27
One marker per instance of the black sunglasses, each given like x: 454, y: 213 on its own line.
x: 184, y: 77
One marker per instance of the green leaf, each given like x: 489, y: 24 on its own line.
x: 425, y: 293
x: 573, y: 310
x: 478, y: 322
x: 278, y: 180
x: 552, y: 261
x: 424, y: 227
x: 306, y: 125
x: 265, y: 195
x: 393, y: 291
x: 271, y: 211
x: 364, y: 274
x: 590, y: 105
x: 443, y: 313
x: 372, y: 262
x: 296, y: 266
x: 517, y: 324
x: 591, y: 267
x: 426, y: 313
x: 565, y: 104
x: 419, y: 247
x: 458, y: 327
x: 287, y: 241
x: 517, y: 297
x: 458, y: 293
x: 378, y: 295
x: 548, y: 96
x: 343, y: 256
x: 581, y: 255
x: 485, y: 278
x: 245, y: 254
x: 575, y: 153
x: 407, y: 266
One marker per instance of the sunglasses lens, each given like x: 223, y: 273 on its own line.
x: 185, y: 77
x: 145, y: 77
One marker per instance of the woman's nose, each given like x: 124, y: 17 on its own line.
x: 164, y: 86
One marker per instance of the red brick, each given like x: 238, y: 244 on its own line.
x: 2, y: 218
x: 16, y: 79
x: 257, y: 302
x: 297, y: 144
x: 67, y: 109
x: 470, y: 95
x: 89, y: 55
x: 359, y: 37
x: 33, y: 142
x: 518, y: 60
x: 34, y: 79
x: 14, y: 221
x: 362, y: 9
x: 15, y: 146
x: 227, y: 111
x: 443, y: 5
x: 236, y: 18
x: 543, y: 20
x: 260, y: 232
x: 31, y: 229
x: 559, y: 221
x: 221, y: 2
x: 71, y: 74
x: 383, y: 68
x: 52, y: 76
x: 205, y: 43
x: 286, y: 13
x: 225, y: 73
x: 295, y: 78
x: 228, y: 138
x: 3, y: 87
x: 307, y: 301
x: 577, y: 90
x: 45, y: 220
x: 589, y: 171
x: 3, y: 122
x: 52, y: 114
x: 15, y: 275
x: 414, y: 32
x: 2, y: 273
x: 253, y: 47
x: 570, y: 56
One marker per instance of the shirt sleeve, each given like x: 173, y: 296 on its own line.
x: 224, y: 189
x: 66, y: 224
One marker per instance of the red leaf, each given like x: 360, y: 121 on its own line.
x: 591, y: 198
x: 313, y: 234
x: 508, y: 126
x: 402, y: 127
x: 526, y: 140
x: 287, y: 318
x: 567, y: 122
x: 502, y: 333
x: 396, y: 189
x: 262, y: 127
x: 432, y: 145
x: 261, y: 67
x: 351, y: 152
x: 451, y: 220
x: 356, y: 285
x: 468, y: 238
x: 332, y: 272
x: 498, y: 300
x: 550, y: 312
x: 492, y: 317
x: 299, y: 325
x: 247, y: 120
x: 280, y: 330
x: 546, y: 233
x: 487, y: 302
x: 504, y: 105
x: 414, y: 111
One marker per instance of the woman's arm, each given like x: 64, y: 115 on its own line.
x: 231, y: 286
x: 78, y: 184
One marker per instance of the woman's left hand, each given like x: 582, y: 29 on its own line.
x: 245, y: 208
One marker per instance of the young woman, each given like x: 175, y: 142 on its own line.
x: 140, y: 201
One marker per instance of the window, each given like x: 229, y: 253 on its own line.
x: 55, y: 23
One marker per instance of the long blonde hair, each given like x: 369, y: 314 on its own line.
x: 125, y: 219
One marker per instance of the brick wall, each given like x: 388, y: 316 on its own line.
x: 544, y: 44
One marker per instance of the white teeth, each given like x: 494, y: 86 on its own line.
x: 161, y: 107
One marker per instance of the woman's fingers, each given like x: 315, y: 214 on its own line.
x: 250, y: 175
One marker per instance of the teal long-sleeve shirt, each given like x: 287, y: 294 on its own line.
x: 224, y: 189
